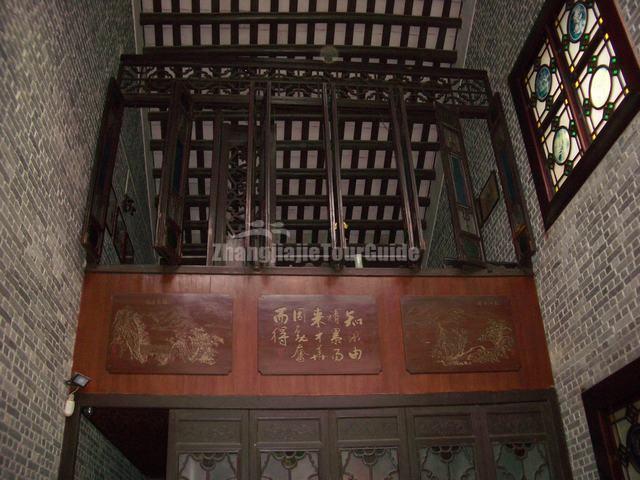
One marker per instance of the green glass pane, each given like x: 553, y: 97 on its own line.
x: 521, y: 461
x: 370, y: 464
x: 459, y: 183
x: 289, y: 465
x: 207, y: 466
x: 447, y: 462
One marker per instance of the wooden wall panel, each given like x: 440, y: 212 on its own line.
x: 93, y: 334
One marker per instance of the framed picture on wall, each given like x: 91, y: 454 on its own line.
x: 488, y: 198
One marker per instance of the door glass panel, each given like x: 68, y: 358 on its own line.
x: 279, y: 465
x: 208, y: 466
x: 522, y: 461
x: 625, y: 424
x: 447, y: 462
x: 370, y: 464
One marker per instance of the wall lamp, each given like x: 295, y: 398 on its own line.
x: 75, y: 383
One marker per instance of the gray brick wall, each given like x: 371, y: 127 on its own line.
x: 98, y: 459
x: 496, y: 232
x: 55, y: 61
x: 130, y: 178
x: 588, y: 263
x: 443, y: 244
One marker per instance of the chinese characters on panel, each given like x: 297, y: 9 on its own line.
x: 318, y: 334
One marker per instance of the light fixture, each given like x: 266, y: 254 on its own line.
x: 76, y: 382
x: 329, y: 53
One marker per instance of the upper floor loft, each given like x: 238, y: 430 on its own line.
x: 304, y: 134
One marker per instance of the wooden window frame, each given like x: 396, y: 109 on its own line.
x: 599, y: 402
x: 552, y: 204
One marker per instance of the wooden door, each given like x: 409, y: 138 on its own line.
x: 464, y: 218
x: 453, y: 442
x: 207, y: 444
x: 369, y: 443
x: 95, y: 220
x: 173, y: 182
x: 289, y: 445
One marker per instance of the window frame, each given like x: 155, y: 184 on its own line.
x: 599, y: 402
x: 553, y: 203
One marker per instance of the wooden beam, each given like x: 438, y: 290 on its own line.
x: 401, y: 164
x: 296, y: 224
x: 309, y: 51
x: 301, y: 105
x: 318, y: 200
x: 336, y: 222
x: 177, y: 57
x: 250, y: 190
x: 296, y: 145
x: 314, y: 173
x: 295, y: 18
x: 347, y: 200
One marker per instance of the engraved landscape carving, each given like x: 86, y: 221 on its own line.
x: 455, y: 348
x: 449, y: 334
x: 170, y: 334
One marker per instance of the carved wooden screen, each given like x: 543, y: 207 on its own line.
x: 450, y: 441
x: 464, y: 218
x: 175, y: 162
x: 105, y: 158
x: 444, y: 443
x: 522, y: 442
x: 208, y: 444
x: 369, y: 444
x: 289, y: 444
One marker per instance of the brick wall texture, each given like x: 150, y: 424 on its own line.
x: 55, y: 61
x: 98, y: 459
x: 129, y: 178
x: 588, y: 263
x: 496, y: 232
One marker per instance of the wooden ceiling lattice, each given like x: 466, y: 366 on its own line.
x: 408, y: 32
x: 293, y: 49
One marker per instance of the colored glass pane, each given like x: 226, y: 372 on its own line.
x: 370, y: 464
x: 601, y: 87
x: 205, y: 466
x: 522, y: 461
x: 289, y: 465
x: 543, y: 84
x: 447, y: 462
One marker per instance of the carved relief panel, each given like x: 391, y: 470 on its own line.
x: 170, y: 333
x: 459, y: 334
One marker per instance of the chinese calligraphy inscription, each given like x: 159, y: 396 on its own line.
x: 318, y: 334
x: 171, y: 333
x: 459, y: 334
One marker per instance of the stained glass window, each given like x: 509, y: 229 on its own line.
x: 369, y: 464
x: 575, y: 77
x: 208, y: 466
x: 289, y: 465
x: 577, y: 25
x: 522, y: 461
x: 543, y: 84
x: 626, y: 432
x: 601, y: 87
x: 561, y: 146
x: 447, y: 462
